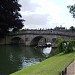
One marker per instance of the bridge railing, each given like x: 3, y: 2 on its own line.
x: 44, y: 32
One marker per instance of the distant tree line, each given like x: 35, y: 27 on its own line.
x: 10, y: 18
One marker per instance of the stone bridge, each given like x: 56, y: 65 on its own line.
x: 36, y: 37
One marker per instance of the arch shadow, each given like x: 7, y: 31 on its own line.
x: 17, y: 40
x: 36, y: 40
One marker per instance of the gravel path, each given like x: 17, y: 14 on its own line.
x: 71, y: 69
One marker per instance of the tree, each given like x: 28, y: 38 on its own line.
x: 72, y: 10
x: 10, y: 18
x: 66, y: 46
x: 72, y: 28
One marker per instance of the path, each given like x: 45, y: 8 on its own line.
x: 71, y: 69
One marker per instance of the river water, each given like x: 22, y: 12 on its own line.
x: 14, y: 58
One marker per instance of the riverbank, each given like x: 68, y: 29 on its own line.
x: 51, y: 66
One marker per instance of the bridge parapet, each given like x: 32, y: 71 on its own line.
x: 45, y: 32
x: 31, y: 37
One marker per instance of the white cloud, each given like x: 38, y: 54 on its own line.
x: 36, y: 19
x: 46, y: 13
x: 70, y: 2
x: 27, y: 5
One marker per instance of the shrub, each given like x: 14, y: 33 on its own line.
x: 66, y: 46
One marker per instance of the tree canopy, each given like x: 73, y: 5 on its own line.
x: 72, y: 10
x: 10, y: 18
x: 72, y: 28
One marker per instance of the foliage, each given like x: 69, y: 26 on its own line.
x: 72, y: 10
x: 72, y: 28
x: 66, y: 46
x: 58, y: 40
x: 58, y: 45
x: 10, y: 17
x: 52, y: 66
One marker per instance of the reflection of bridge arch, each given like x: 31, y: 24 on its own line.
x: 17, y: 40
x: 36, y: 40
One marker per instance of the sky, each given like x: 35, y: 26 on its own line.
x: 46, y: 14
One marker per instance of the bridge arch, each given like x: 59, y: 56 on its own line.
x: 17, y: 40
x: 37, y: 41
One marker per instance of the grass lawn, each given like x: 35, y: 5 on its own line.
x: 51, y: 66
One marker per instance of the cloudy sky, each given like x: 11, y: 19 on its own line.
x: 46, y: 13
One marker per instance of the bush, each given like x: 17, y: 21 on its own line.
x: 66, y: 46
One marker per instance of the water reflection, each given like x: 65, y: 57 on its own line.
x: 14, y: 58
x: 47, y: 51
x: 28, y: 62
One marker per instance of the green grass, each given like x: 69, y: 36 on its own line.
x: 51, y: 66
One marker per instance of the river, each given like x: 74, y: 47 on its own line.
x: 14, y: 58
